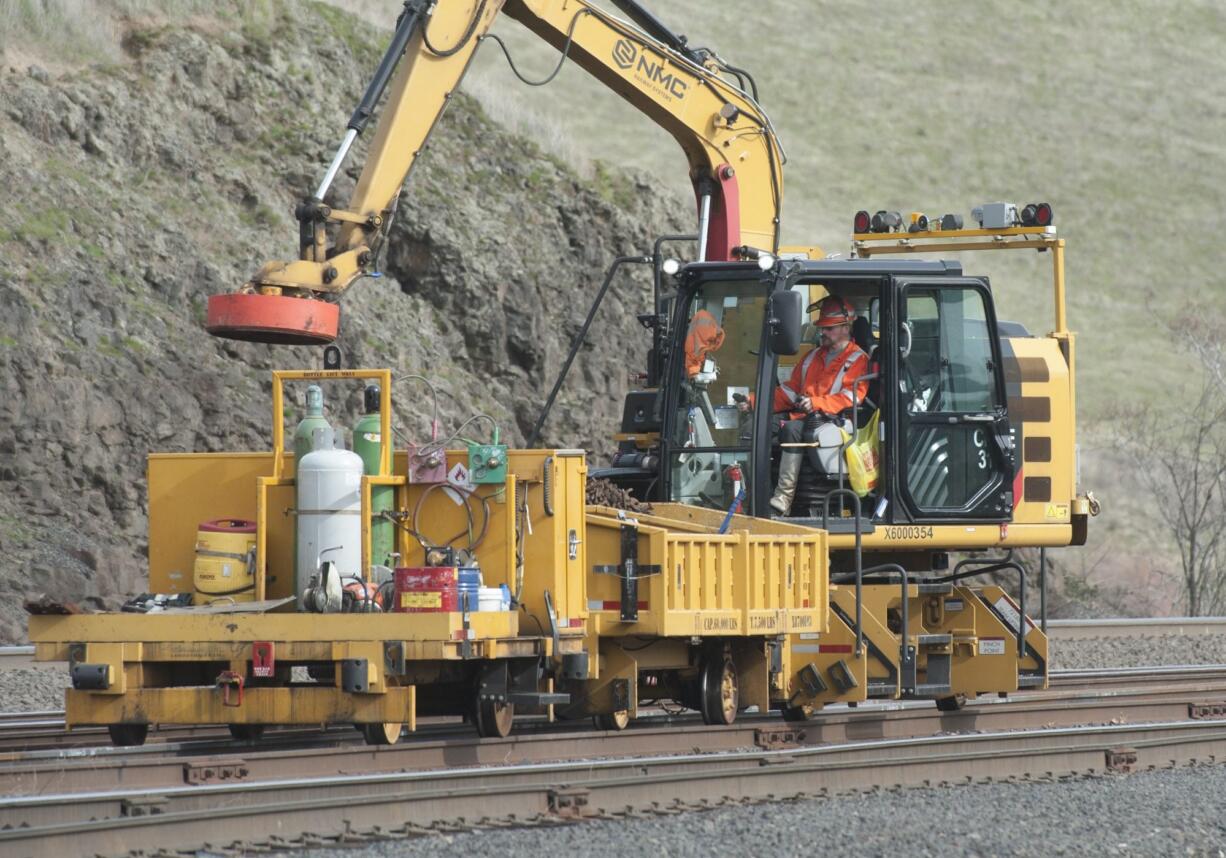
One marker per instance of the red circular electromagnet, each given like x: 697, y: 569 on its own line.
x: 277, y: 319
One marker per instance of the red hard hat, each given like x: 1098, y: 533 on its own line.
x: 834, y: 310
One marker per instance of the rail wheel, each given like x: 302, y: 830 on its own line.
x: 387, y: 733
x: 618, y: 720
x: 247, y: 732
x: 797, y: 713
x: 718, y: 687
x: 494, y: 719
x: 951, y: 704
x: 127, y: 735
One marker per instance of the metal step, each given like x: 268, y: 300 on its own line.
x: 836, y: 524
x: 935, y: 689
x: 538, y: 698
x: 1030, y: 680
x: 878, y: 688
x: 934, y: 640
x: 846, y: 525
x: 934, y: 589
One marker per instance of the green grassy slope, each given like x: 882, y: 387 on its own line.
x: 1113, y: 112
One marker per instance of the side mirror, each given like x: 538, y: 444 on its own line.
x: 784, y: 311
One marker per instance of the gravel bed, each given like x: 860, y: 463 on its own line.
x: 32, y: 689
x: 1138, y: 651
x: 1166, y: 812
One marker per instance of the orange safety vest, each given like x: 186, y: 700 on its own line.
x: 705, y: 336
x: 828, y: 386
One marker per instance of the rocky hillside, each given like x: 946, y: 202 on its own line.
x: 137, y: 189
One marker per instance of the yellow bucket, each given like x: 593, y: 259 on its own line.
x: 225, y: 561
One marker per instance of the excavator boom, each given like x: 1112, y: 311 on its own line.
x: 734, y: 159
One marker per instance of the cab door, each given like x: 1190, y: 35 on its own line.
x: 710, y: 419
x: 954, y: 446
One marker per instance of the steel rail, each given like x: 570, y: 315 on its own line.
x: 18, y: 657
x: 29, y: 736
x: 1071, y: 630
x: 1137, y: 675
x: 189, y: 817
x: 167, y: 765
x: 23, y: 735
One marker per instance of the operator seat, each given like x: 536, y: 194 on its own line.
x: 862, y: 335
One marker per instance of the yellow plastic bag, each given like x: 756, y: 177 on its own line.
x: 864, y: 457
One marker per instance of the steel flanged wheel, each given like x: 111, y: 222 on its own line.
x: 128, y: 735
x: 951, y: 704
x: 797, y: 713
x: 494, y: 719
x: 247, y: 732
x: 618, y: 720
x: 720, y: 694
x: 387, y: 733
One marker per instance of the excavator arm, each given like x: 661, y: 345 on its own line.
x: 735, y: 161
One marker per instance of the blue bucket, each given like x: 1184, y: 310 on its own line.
x: 470, y: 588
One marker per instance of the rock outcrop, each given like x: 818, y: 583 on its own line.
x: 137, y: 190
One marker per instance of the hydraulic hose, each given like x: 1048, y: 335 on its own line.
x: 574, y: 348
x: 414, y: 11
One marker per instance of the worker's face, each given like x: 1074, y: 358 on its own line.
x: 835, y: 335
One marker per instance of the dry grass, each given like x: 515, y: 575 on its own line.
x: 63, y: 35
x: 1101, y: 108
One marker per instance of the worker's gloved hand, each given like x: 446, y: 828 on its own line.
x: 815, y: 419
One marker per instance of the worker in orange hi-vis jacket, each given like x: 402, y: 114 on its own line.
x: 821, y: 388
x: 705, y: 336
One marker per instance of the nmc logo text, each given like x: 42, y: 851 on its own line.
x: 648, y: 67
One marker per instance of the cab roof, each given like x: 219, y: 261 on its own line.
x: 815, y: 268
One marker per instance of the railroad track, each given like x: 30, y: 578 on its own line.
x: 22, y: 733
x: 404, y: 803
x: 545, y: 773
x: 1072, y: 630
x: 446, y: 745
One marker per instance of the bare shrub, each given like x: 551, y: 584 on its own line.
x: 1178, y: 448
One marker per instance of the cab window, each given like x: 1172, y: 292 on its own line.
x: 712, y: 436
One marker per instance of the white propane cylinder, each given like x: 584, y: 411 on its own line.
x: 329, y: 510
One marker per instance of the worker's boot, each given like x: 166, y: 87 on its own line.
x: 789, y: 470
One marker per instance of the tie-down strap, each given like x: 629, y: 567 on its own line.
x: 629, y: 571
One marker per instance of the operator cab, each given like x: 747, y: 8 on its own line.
x: 944, y: 444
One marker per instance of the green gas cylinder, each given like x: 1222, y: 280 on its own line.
x: 304, y: 438
x: 314, y: 419
x: 368, y: 443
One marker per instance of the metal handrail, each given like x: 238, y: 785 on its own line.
x: 995, y: 564
x: 906, y: 653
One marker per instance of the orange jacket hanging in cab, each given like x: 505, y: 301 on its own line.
x: 705, y: 336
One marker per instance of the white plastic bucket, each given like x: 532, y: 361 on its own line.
x: 492, y: 599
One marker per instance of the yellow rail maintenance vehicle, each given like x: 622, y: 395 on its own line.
x: 973, y: 436
x: 447, y: 578
x: 378, y: 646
